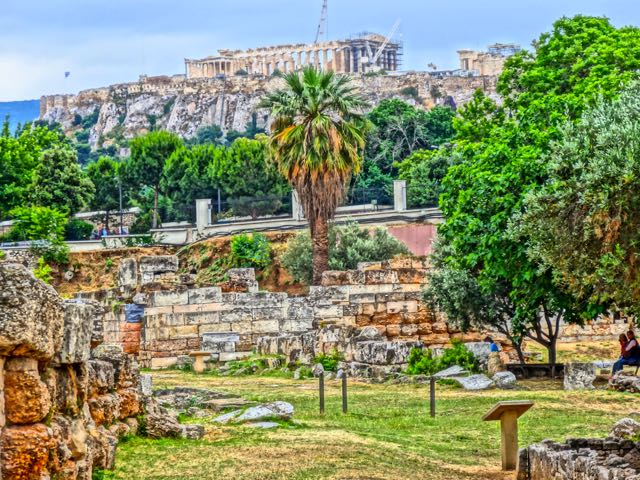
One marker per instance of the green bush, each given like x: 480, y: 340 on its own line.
x: 348, y: 246
x: 250, y: 251
x: 255, y: 207
x: 43, y: 271
x: 78, y: 230
x: 46, y: 227
x: 330, y: 361
x: 423, y: 362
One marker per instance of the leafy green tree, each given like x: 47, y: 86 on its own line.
x: 19, y: 157
x: 210, y: 134
x: 584, y: 223
x: 59, y: 182
x: 317, y: 141
x: 400, y: 129
x: 424, y: 171
x: 104, y: 174
x: 348, y: 246
x: 149, y: 153
x: 503, y: 160
x: 46, y: 226
x: 243, y: 170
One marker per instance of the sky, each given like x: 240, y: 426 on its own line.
x: 102, y: 42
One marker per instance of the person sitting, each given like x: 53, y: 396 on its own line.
x: 623, y: 344
x: 630, y: 354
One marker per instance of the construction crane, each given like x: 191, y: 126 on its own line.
x: 371, y: 62
x: 323, y: 27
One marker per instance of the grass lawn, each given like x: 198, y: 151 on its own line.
x: 387, y: 433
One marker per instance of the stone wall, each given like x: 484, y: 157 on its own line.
x: 373, y: 316
x: 581, y: 459
x: 63, y: 406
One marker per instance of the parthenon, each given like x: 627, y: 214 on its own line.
x: 368, y: 51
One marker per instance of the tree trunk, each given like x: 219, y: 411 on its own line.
x: 320, y: 243
x: 552, y: 350
x: 106, y: 221
x: 518, y: 348
x: 154, y: 223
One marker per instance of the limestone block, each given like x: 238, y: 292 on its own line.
x: 362, y: 298
x: 104, y: 448
x: 128, y: 272
x: 237, y: 315
x: 157, y: 363
x: 328, y: 311
x: 169, y: 297
x: 201, y: 318
x: 265, y: 326
x: 27, y: 399
x: 504, y: 380
x: 101, y: 377
x: 268, y: 313
x: 298, y: 308
x: 205, y: 295
x: 146, y: 385
x: 380, y: 277
x: 232, y: 356
x: 383, y: 353
x: 25, y: 451
x: 159, y: 264
x: 297, y: 326
x: 104, y: 409
x: 475, y: 382
x: 31, y: 315
x: 125, y: 368
x: 129, y: 403
x: 260, y: 299
x: 404, y: 307
x: 578, y: 376
x: 183, y: 331
x: 396, y: 263
x: 344, y: 277
x: 219, y: 342
x: 319, y: 295
x: 68, y: 388
x: 410, y: 275
x: 241, y: 275
x: 78, y: 328
x: 214, y: 328
x: 369, y: 266
x: 390, y: 297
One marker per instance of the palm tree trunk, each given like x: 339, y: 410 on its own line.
x: 320, y: 243
x: 154, y: 223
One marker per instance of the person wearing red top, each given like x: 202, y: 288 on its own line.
x: 630, y: 353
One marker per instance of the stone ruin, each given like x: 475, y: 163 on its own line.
x: 63, y: 406
x: 616, y: 457
x: 373, y: 316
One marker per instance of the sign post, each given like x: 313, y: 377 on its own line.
x: 508, y: 414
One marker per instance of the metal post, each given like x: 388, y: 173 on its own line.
x: 432, y: 397
x: 344, y: 392
x: 219, y: 206
x: 321, y: 385
x: 120, y: 195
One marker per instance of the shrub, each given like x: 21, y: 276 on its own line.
x: 255, y: 207
x: 330, y: 361
x: 46, y: 226
x: 43, y: 271
x: 250, y: 251
x: 348, y: 246
x: 425, y: 363
x: 78, y: 230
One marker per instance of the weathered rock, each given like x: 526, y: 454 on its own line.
x: 505, y: 380
x: 494, y: 364
x: 129, y: 405
x: 317, y: 369
x: 625, y: 428
x: 101, y: 376
x: 624, y: 382
x: 69, y: 389
x: 105, y: 409
x: 383, y: 353
x: 78, y: 328
x: 475, y: 382
x: 263, y: 425
x: 25, y: 452
x: 161, y: 425
x: 368, y: 334
x: 279, y: 410
x: 128, y: 273
x: 27, y: 398
x: 146, y: 385
x: 579, y: 376
x: 159, y: 263
x: 31, y: 315
x: 104, y: 445
x: 125, y: 369
x: 192, y: 432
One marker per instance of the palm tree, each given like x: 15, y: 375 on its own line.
x: 317, y: 140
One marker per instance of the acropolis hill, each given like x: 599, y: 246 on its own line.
x: 225, y: 89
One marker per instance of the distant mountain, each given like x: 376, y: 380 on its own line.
x: 19, y: 112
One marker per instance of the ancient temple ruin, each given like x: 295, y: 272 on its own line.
x: 490, y: 62
x: 362, y: 53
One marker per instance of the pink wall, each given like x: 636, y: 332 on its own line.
x: 418, y: 238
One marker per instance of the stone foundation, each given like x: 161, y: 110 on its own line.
x: 63, y: 406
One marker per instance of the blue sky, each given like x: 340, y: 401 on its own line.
x: 108, y: 41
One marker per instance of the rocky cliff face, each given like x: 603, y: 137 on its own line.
x: 183, y: 105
